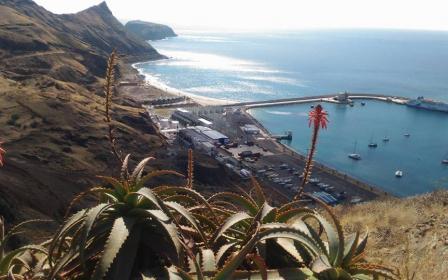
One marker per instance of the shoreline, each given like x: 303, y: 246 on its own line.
x: 152, y: 81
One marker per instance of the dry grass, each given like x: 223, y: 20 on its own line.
x: 411, y: 234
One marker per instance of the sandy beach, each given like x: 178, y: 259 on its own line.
x: 150, y: 81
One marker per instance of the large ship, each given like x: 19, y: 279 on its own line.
x: 428, y: 104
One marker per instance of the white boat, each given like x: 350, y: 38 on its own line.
x: 354, y: 155
x: 399, y: 173
x: 407, y: 135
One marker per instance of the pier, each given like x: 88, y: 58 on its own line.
x: 331, y: 98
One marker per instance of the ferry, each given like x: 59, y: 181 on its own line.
x: 398, y: 173
x: 428, y: 104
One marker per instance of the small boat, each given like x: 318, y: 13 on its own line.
x: 351, y: 104
x: 354, y: 155
x: 445, y: 161
x: 407, y: 135
x: 312, y: 106
x: 386, y: 139
x: 372, y: 144
x: 363, y: 104
x: 398, y: 173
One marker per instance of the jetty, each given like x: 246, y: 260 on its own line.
x: 342, y: 98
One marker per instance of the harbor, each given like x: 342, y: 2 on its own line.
x: 233, y: 137
x: 253, y: 141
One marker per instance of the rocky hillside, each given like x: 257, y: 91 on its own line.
x: 149, y: 31
x: 411, y: 233
x: 73, y: 47
x: 51, y: 105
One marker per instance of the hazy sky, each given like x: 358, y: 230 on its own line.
x: 273, y: 14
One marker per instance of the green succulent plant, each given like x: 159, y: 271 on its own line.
x: 26, y: 262
x: 130, y: 221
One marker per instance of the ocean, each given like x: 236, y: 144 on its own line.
x: 254, y: 66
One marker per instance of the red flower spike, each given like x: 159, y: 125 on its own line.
x: 318, y: 117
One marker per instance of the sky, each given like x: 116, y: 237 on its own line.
x: 273, y: 14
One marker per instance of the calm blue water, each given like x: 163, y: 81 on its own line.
x: 267, y: 66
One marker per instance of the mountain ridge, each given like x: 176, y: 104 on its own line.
x: 149, y: 30
x: 84, y: 38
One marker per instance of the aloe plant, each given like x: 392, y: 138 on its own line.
x: 105, y: 240
x: 26, y: 262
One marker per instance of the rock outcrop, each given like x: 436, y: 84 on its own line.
x: 149, y: 30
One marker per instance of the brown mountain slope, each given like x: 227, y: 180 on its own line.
x: 410, y: 233
x: 73, y: 47
x: 51, y: 105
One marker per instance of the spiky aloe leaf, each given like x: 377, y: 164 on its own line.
x: 222, y: 252
x: 335, y: 249
x: 124, y: 167
x: 297, y: 223
x: 233, y: 263
x: 290, y: 248
x: 208, y: 261
x: 230, y: 222
x: 291, y: 214
x: 144, y: 197
x: 188, y: 216
x: 118, y: 235
x: 124, y: 262
x: 293, y: 204
x: 74, y: 221
x: 117, y: 185
x: 188, y: 192
x: 174, y: 249
x: 268, y: 213
x: 181, y: 199
x: 259, y: 194
x: 282, y: 231
x: 8, y: 258
x: 90, y: 219
x: 137, y: 173
x: 335, y: 238
x: 361, y: 246
x: 350, y: 249
x: 236, y: 199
